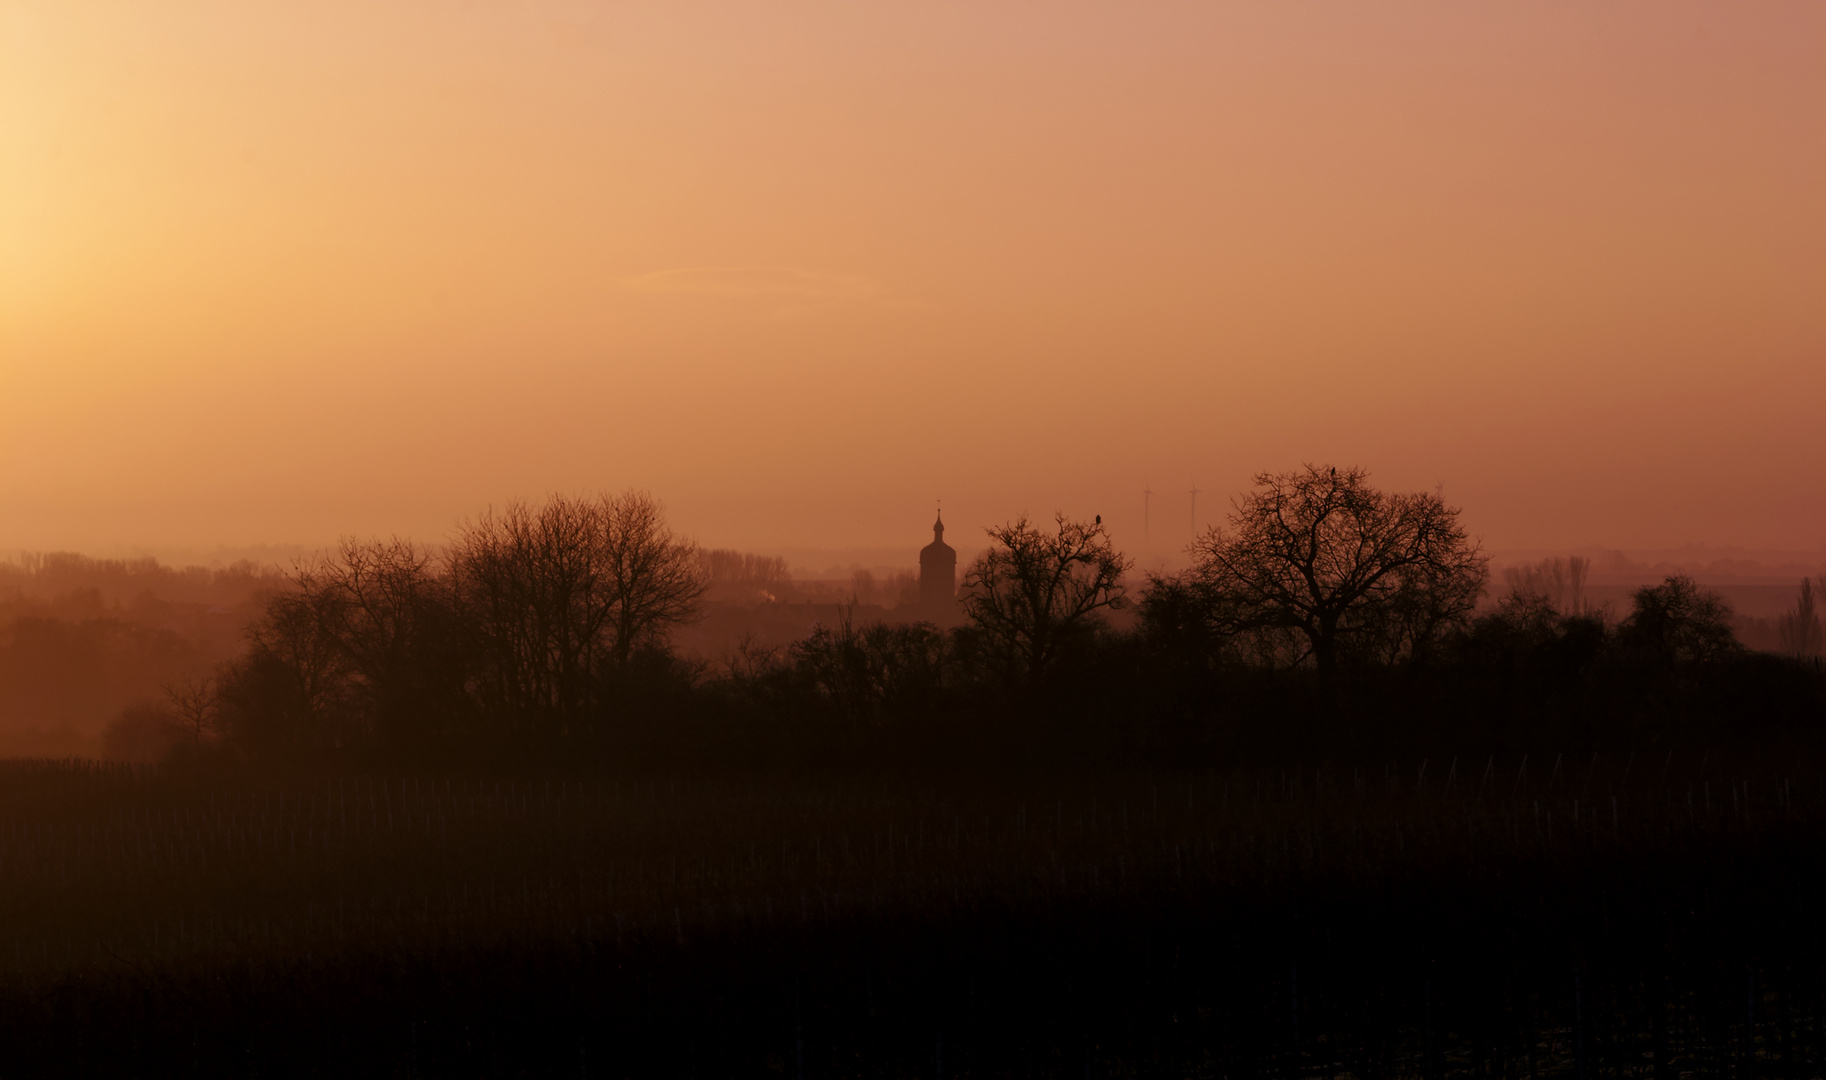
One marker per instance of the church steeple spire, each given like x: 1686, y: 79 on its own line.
x: 938, y: 576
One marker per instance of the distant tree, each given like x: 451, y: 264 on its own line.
x: 1676, y: 624
x: 1558, y: 582
x: 1349, y: 571
x: 1800, y: 628
x: 751, y: 660
x: 654, y: 573
x: 899, y: 587
x: 192, y: 701
x: 863, y: 587
x: 1526, y: 645
x: 872, y: 673
x: 145, y: 731
x: 1578, y: 568
x: 1529, y: 614
x: 535, y: 606
x: 292, y: 689
x: 557, y: 599
x: 389, y: 611
x: 742, y: 577
x: 1036, y: 589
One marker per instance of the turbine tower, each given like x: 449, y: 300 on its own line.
x: 1147, y: 493
x: 1195, y: 511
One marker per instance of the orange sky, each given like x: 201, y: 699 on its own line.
x: 280, y: 271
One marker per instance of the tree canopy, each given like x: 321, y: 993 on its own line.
x: 1318, y: 565
x: 1035, y: 589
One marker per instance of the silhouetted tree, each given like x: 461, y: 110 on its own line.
x: 1034, y: 590
x: 556, y: 599
x: 389, y: 611
x: 192, y: 701
x: 654, y: 573
x: 1349, y: 570
x: 879, y: 670
x: 1559, y: 582
x: 899, y: 587
x: 1676, y: 624
x: 1800, y: 628
x: 741, y: 576
x: 292, y: 689
x: 534, y: 605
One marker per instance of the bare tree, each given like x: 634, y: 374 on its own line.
x: 193, y: 701
x: 654, y: 573
x: 743, y: 577
x: 389, y: 611
x: 862, y: 587
x: 1578, y: 567
x: 869, y: 673
x: 751, y: 660
x: 532, y: 595
x: 1800, y: 628
x: 559, y: 597
x: 1677, y: 624
x: 1034, y: 589
x: 898, y: 587
x: 294, y: 631
x: 1351, y: 570
x: 1557, y: 583
x: 292, y: 690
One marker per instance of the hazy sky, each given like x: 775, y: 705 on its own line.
x: 273, y: 272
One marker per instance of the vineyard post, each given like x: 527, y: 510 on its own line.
x: 1578, y: 1025
x: 1428, y: 1050
x: 1749, y: 1072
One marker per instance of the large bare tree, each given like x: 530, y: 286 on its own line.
x: 1349, y: 570
x: 388, y: 609
x: 1800, y: 625
x: 561, y: 596
x: 533, y: 606
x: 1036, y: 588
x: 292, y: 689
x: 657, y: 577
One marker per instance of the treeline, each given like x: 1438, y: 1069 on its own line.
x: 80, y: 638
x: 66, y: 583
x: 1326, y: 616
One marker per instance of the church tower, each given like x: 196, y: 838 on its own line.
x: 937, y: 573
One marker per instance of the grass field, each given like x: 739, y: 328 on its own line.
x: 1654, y: 915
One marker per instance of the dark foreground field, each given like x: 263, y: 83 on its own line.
x: 1656, y: 915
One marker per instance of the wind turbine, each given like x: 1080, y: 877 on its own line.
x: 1194, y: 511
